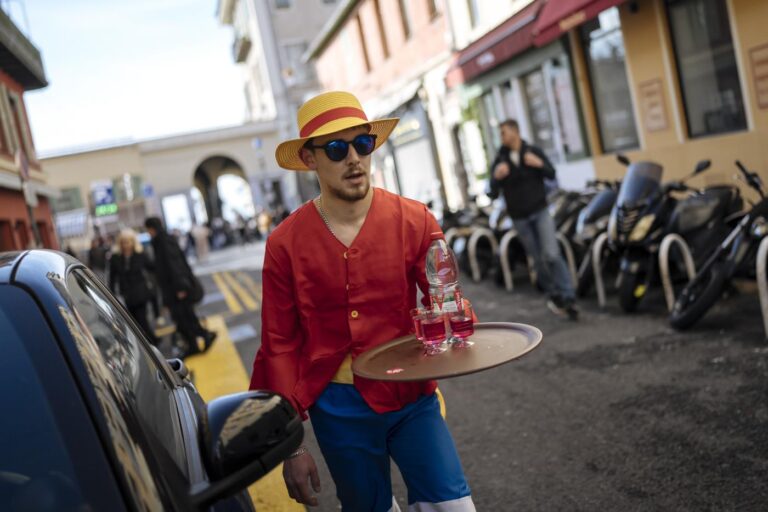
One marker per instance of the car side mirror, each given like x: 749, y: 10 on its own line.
x: 702, y: 166
x: 623, y: 159
x: 245, y: 436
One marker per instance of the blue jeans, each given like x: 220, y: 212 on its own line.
x: 357, y: 444
x: 538, y: 235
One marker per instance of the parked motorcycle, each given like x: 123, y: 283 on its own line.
x: 591, y: 222
x: 464, y: 222
x: 735, y: 254
x: 565, y: 206
x: 646, y: 211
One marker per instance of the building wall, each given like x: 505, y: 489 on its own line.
x: 650, y: 56
x: 490, y: 13
x: 341, y: 66
x: 15, y: 228
x: 80, y: 169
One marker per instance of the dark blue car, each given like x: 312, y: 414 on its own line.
x: 94, y: 419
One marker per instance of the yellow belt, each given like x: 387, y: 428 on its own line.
x: 344, y: 376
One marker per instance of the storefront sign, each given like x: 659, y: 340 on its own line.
x: 652, y: 105
x: 759, y: 58
x: 103, y: 197
x: 410, y: 126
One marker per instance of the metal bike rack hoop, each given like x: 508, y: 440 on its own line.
x: 506, y: 239
x: 569, y: 257
x: 762, y: 280
x: 690, y: 267
x: 597, y: 267
x: 474, y: 238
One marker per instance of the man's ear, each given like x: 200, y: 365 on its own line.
x: 308, y: 157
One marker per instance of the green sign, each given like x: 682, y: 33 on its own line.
x: 106, y: 209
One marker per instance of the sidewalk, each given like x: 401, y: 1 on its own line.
x: 237, y: 257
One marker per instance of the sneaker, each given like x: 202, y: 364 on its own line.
x: 557, y: 305
x: 209, y: 339
x: 571, y: 310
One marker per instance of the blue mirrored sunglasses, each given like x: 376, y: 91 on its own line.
x: 337, y: 149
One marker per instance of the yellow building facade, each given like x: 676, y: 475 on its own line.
x: 663, y: 120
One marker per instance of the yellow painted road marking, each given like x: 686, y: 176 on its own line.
x: 164, y: 331
x: 253, y: 287
x: 230, y: 299
x: 243, y: 295
x: 219, y: 371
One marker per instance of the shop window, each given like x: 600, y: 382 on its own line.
x: 363, y: 46
x: 553, y: 113
x: 382, y: 32
x: 706, y: 65
x: 540, y: 116
x: 406, y: 19
x: 433, y: 9
x: 22, y: 235
x: 6, y: 236
x: 604, y: 52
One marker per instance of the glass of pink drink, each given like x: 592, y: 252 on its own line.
x: 462, y: 325
x: 433, y: 332
x: 417, y: 315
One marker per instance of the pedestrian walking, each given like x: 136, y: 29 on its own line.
x: 201, y: 233
x: 128, y: 271
x: 519, y: 171
x: 340, y: 277
x: 98, y: 257
x: 179, y: 286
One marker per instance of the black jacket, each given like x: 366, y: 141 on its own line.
x: 523, y: 188
x: 171, y: 268
x: 128, y: 276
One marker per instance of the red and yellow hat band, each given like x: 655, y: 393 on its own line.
x: 328, y: 116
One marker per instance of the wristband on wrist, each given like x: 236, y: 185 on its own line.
x: 300, y: 451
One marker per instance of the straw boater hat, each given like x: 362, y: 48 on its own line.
x: 329, y: 113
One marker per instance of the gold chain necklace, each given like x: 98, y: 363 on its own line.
x: 319, y: 204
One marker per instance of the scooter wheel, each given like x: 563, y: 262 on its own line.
x: 630, y: 291
x: 700, y: 295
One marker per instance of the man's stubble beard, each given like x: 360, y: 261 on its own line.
x: 351, y: 196
x: 354, y: 195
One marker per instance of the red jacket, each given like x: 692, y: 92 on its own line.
x: 323, y: 300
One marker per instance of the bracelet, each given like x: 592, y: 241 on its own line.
x: 300, y: 451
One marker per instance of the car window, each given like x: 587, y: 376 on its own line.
x: 142, y: 382
x: 36, y: 469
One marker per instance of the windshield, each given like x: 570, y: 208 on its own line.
x: 36, y: 469
x: 643, y: 180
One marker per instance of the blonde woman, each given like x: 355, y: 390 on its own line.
x: 127, y: 275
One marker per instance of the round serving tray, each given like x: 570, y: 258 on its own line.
x: 404, y: 359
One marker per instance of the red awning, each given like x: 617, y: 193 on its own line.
x: 560, y: 16
x: 497, y: 46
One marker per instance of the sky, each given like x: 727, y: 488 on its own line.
x: 129, y: 69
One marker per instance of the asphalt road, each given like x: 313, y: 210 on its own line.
x: 615, y: 412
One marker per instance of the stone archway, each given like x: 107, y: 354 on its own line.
x: 206, y: 179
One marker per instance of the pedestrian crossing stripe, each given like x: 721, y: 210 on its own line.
x: 243, y: 295
x: 234, y: 307
x: 253, y: 287
x: 220, y: 371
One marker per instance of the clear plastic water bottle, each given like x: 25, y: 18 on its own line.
x: 443, y: 276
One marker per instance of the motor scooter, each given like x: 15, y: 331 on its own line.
x: 646, y: 211
x: 736, y: 254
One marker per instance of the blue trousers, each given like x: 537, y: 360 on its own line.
x: 357, y: 444
x: 538, y: 235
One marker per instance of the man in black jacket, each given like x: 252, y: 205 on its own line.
x: 178, y: 285
x: 520, y: 171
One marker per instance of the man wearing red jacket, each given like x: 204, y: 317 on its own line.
x: 340, y: 277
